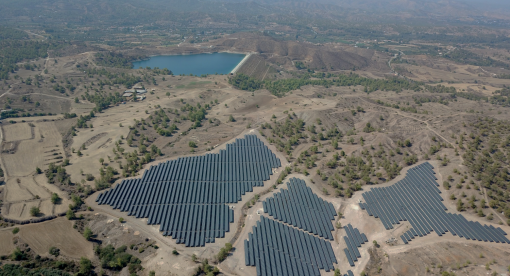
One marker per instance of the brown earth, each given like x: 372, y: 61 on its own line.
x: 58, y: 233
x: 6, y: 242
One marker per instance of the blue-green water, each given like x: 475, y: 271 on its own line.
x: 199, y: 64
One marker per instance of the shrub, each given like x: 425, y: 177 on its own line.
x: 15, y: 230
x: 18, y: 255
x: 70, y: 214
x: 54, y: 251
x: 222, y: 255
x: 85, y: 266
x: 34, y: 211
x: 87, y: 233
x: 55, y: 198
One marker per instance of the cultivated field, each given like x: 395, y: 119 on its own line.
x: 24, y: 188
x: 17, y: 132
x: 58, y: 233
x: 6, y: 242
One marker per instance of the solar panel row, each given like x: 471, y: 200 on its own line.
x: 277, y: 249
x: 187, y: 196
x: 353, y: 240
x: 349, y: 273
x: 299, y: 206
x: 416, y: 199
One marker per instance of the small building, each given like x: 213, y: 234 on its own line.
x: 141, y: 91
x: 127, y: 94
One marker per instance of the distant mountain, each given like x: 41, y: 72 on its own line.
x: 129, y: 12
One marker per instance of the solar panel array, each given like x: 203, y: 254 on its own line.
x: 278, y: 249
x: 187, y: 197
x: 416, y: 199
x: 353, y: 240
x: 299, y: 206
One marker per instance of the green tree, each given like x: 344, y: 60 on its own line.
x: 87, y: 233
x: 34, y: 211
x: 101, y: 160
x: 85, y: 266
x: 55, y: 198
x: 70, y: 214
x: 15, y: 230
x: 18, y: 255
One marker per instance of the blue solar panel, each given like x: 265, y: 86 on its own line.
x: 417, y: 199
x: 299, y: 206
x: 353, y: 239
x: 172, y: 194
x: 283, y: 250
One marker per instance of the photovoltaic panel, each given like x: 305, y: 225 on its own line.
x: 417, y: 199
x: 188, y: 196
x: 299, y: 206
x: 353, y: 239
x: 281, y: 250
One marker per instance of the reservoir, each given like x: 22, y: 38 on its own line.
x: 199, y: 64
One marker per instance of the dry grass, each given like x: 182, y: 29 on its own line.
x: 58, y: 233
x: 36, y: 152
x: 17, y: 132
x: 6, y: 244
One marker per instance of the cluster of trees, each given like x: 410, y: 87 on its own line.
x: 82, y: 120
x: 471, y: 96
x: 346, y: 174
x: 103, y: 100
x: 281, y: 87
x: 420, y: 100
x: 17, y: 113
x: 501, y: 97
x: 13, y: 269
x: 411, y: 109
x: 112, y: 59
x: 467, y: 57
x: 224, y: 251
x: 57, y: 175
x: 112, y: 78
x: 36, y: 265
x: 12, y: 34
x: 160, y: 122
x: 205, y: 268
x: 486, y: 154
x: 116, y: 259
x: 134, y: 160
x: 106, y: 178
x: 14, y: 48
x: 244, y: 82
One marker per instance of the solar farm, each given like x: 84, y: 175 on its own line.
x: 417, y: 199
x: 296, y: 237
x: 293, y: 231
x: 188, y: 196
x: 353, y: 240
x: 301, y: 208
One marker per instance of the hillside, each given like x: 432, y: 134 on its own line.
x: 315, y: 57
